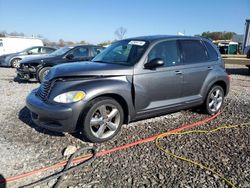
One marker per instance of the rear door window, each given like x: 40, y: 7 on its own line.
x: 35, y: 50
x: 212, y: 54
x: 193, y: 51
x: 167, y: 51
x: 80, y: 52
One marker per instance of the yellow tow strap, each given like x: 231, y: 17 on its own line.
x: 197, y: 163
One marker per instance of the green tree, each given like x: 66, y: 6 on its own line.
x: 16, y: 34
x: 218, y: 35
x: 83, y: 42
x: 61, y: 43
x: 105, y: 43
x: 69, y: 43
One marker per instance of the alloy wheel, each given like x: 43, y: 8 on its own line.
x: 15, y: 63
x: 215, y: 100
x: 105, y: 121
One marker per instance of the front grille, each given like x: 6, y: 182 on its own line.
x: 23, y: 67
x: 43, y: 90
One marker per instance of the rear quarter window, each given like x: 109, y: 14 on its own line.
x: 193, y: 51
x: 212, y: 54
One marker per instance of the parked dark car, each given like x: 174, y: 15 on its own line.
x: 132, y: 79
x: 13, y: 59
x: 38, y: 67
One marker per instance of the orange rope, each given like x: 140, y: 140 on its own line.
x: 105, y: 152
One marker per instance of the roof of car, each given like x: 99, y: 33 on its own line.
x: 83, y: 45
x: 152, y: 38
x: 41, y: 47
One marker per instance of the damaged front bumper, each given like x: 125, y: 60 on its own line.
x: 26, y: 73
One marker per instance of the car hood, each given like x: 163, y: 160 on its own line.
x: 88, y: 69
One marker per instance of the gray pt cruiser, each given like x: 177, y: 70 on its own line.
x: 132, y: 79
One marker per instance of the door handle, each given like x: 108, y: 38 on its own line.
x: 210, y: 68
x: 178, y: 72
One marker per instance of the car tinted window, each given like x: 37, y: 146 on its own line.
x: 213, y: 56
x: 61, y: 51
x: 125, y: 52
x: 97, y: 50
x: 167, y: 51
x: 193, y: 51
x: 34, y: 51
x: 80, y: 52
x: 47, y: 50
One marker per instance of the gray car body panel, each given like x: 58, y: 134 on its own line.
x: 144, y: 90
x: 85, y: 69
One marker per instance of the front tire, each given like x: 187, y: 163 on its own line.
x: 15, y: 63
x: 42, y: 73
x: 102, y: 119
x: 214, y: 100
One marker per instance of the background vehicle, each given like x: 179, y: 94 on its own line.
x: 132, y: 79
x: 227, y: 47
x: 228, y: 51
x: 39, y: 67
x: 16, y: 44
x: 246, y: 42
x: 13, y: 60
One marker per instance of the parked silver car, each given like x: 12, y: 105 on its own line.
x: 13, y: 59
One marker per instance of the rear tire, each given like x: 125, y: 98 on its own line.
x: 15, y: 63
x: 101, y: 120
x: 214, y: 100
x: 42, y: 73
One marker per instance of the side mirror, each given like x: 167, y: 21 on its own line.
x: 69, y: 56
x: 157, y: 62
x: 29, y: 53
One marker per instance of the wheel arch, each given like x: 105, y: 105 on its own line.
x: 222, y: 84
x: 121, y: 101
x: 41, y: 66
x: 13, y: 58
x: 117, y: 98
x: 219, y: 82
x: 39, y: 70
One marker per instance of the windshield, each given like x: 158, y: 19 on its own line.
x: 60, y: 51
x: 126, y: 52
x: 27, y: 49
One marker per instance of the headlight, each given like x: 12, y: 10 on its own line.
x: 69, y: 97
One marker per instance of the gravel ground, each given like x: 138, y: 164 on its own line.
x: 25, y: 147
